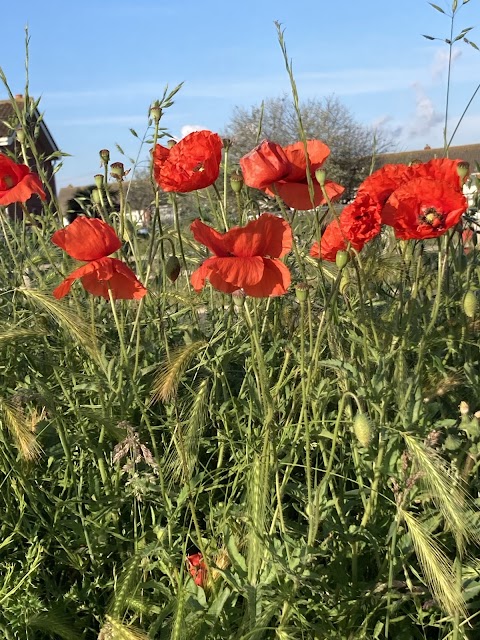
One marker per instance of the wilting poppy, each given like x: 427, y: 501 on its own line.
x: 423, y: 208
x: 358, y: 223
x: 17, y: 182
x: 191, y: 164
x: 282, y: 171
x: 197, y: 568
x: 92, y: 240
x: 245, y: 257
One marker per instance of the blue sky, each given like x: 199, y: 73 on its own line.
x: 98, y: 65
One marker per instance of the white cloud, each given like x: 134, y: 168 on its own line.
x: 426, y: 116
x: 440, y: 62
x: 190, y: 128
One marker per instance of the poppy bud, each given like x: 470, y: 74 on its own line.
x: 341, y: 259
x: 301, y: 291
x: 105, y: 156
x: 320, y: 175
x: 464, y: 408
x: 470, y: 304
x: 238, y: 298
x: 98, y: 180
x: 473, y: 429
x: 236, y: 182
x: 227, y: 143
x: 20, y: 135
x: 171, y: 143
x: 172, y: 268
x: 155, y: 113
x: 362, y: 429
x: 95, y: 196
x: 463, y: 170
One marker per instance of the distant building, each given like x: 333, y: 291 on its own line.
x: 468, y: 152
x: 46, y: 146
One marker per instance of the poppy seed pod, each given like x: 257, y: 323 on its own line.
x: 117, y: 171
x: 470, y: 304
x: 104, y: 156
x: 362, y: 429
x: 172, y: 268
x: 301, y: 291
x: 155, y: 113
x: 236, y: 182
x: 98, y: 180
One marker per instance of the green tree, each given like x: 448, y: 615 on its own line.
x: 351, y: 143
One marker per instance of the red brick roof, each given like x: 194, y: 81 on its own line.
x: 469, y: 153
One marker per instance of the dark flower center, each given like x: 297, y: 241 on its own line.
x: 198, y: 168
x: 432, y: 217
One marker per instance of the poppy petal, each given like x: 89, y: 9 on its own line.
x: 297, y: 196
x: 265, y: 164
x: 66, y: 285
x: 17, y: 182
x: 317, y: 151
x: 240, y: 272
x: 113, y: 275
x: 193, y: 163
x: 207, y: 272
x: 87, y: 239
x: 275, y: 280
x: 423, y: 208
x: 268, y: 235
x: 211, y: 238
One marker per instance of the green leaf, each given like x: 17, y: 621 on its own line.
x: 428, y: 37
x: 472, y: 44
x: 435, y: 6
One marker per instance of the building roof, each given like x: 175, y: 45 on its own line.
x: 469, y: 153
x: 9, y: 120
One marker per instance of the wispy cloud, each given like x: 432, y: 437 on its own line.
x: 440, y: 62
x: 425, y: 117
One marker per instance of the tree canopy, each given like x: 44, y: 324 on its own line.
x: 351, y: 143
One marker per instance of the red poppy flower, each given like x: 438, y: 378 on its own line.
x: 93, y: 240
x: 283, y: 171
x: 246, y: 257
x: 423, y: 208
x: 17, y: 182
x: 191, y: 164
x: 197, y: 568
x: 414, y: 213
x: 358, y: 223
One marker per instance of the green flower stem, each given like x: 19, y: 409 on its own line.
x: 178, y: 230
x: 391, y: 566
x: 372, y: 500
